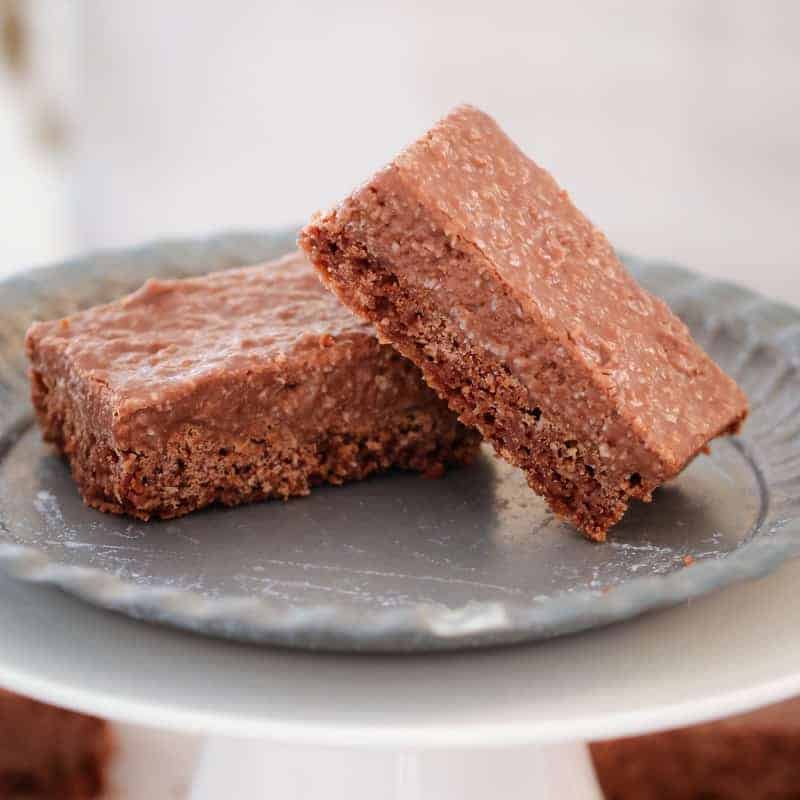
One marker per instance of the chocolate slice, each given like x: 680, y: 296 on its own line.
x: 234, y: 387
x: 48, y: 752
x: 474, y: 263
x: 753, y: 756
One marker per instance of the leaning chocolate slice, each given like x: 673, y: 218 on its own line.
x: 473, y: 263
x: 233, y: 387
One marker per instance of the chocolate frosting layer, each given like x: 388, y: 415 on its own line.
x: 171, y: 335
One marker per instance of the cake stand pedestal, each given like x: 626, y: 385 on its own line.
x: 486, y: 723
x: 239, y: 769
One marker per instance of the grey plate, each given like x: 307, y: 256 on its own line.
x: 399, y: 563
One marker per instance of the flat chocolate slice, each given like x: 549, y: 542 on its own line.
x: 233, y: 387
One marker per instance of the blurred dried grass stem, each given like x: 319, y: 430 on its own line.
x: 14, y: 44
x: 47, y: 126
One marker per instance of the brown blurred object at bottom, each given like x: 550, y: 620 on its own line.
x: 48, y: 752
x: 754, y: 756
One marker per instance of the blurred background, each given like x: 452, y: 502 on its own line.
x: 675, y: 125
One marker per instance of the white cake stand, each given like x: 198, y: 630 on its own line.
x: 506, y: 723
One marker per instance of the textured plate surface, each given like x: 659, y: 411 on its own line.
x: 399, y: 563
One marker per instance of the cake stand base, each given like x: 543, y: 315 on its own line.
x: 241, y: 769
